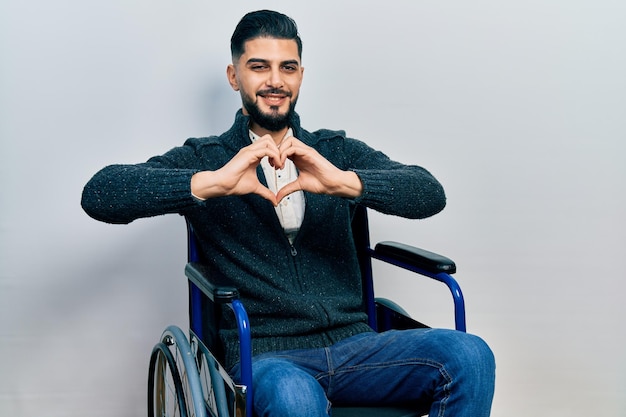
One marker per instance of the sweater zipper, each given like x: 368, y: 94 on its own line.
x: 294, y: 251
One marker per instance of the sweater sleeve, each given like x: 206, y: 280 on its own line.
x: 122, y: 193
x: 391, y: 187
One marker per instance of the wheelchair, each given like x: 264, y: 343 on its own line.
x: 186, y: 378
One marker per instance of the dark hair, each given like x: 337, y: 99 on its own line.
x: 263, y: 24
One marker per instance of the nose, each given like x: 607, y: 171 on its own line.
x: 275, y: 79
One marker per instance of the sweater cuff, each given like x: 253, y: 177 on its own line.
x: 377, y: 189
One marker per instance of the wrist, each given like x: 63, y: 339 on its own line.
x: 204, y: 185
x: 351, y: 185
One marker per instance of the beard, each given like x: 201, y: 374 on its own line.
x: 273, y: 121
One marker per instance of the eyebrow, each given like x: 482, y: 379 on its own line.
x: 265, y: 61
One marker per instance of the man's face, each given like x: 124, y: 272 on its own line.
x: 268, y: 76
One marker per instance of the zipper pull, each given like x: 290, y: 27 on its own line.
x: 294, y: 252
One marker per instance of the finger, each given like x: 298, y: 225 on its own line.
x: 263, y: 142
x: 289, y: 151
x: 293, y: 146
x: 262, y: 150
x: 267, y: 147
x: 276, y: 161
x: 285, y: 143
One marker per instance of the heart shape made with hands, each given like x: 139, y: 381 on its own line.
x: 315, y: 173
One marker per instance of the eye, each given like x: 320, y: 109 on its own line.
x: 289, y: 68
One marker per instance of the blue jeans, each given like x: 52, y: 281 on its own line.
x: 442, y: 372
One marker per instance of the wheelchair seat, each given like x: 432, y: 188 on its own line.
x: 186, y: 376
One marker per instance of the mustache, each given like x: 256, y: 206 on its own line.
x: 276, y: 91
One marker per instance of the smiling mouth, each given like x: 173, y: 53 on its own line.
x: 274, y: 97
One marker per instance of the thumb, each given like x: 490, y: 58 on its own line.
x: 267, y: 194
x: 287, y: 189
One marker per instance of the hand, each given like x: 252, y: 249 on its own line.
x: 316, y: 173
x: 238, y: 176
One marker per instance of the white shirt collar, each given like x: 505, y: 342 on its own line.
x: 254, y: 137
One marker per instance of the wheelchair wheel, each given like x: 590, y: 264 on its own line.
x: 165, y: 390
x: 222, y: 397
x: 219, y: 392
x: 173, y: 382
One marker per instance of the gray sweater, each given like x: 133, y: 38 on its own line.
x: 301, y: 295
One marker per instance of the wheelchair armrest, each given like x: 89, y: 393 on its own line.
x: 420, y: 258
x: 217, y: 292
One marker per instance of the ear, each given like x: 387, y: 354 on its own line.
x: 231, y: 74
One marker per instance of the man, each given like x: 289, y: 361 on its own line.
x: 271, y: 204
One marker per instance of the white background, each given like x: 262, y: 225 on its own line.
x: 519, y: 108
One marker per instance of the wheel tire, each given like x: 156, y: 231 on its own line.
x: 166, y: 397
